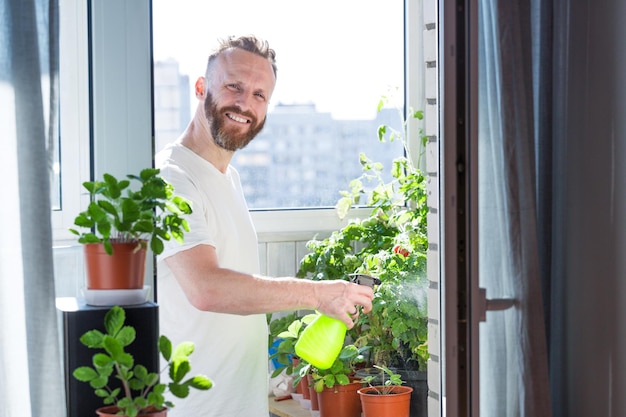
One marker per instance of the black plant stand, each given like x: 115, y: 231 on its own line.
x: 78, y: 318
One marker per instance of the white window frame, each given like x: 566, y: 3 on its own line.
x: 74, y: 117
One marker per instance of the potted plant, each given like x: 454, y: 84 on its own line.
x: 331, y: 390
x: 121, y: 221
x: 390, y: 244
x: 388, y: 398
x: 140, y: 393
x: 336, y: 387
x: 342, y: 370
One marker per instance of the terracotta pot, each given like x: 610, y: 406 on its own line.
x: 122, y: 270
x: 298, y: 387
x: 306, y: 394
x: 304, y: 388
x: 111, y: 411
x: 340, y: 401
x: 314, y: 399
x: 377, y: 405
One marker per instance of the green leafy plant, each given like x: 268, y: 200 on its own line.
x: 286, y: 330
x: 390, y: 244
x: 141, y: 390
x: 339, y: 373
x: 117, y: 213
x: 390, y: 380
x: 278, y: 325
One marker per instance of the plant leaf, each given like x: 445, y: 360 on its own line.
x: 114, y: 320
x: 165, y: 347
x: 179, y: 390
x: 85, y: 373
x: 179, y: 367
x: 200, y: 382
x: 184, y: 349
x: 126, y: 335
x: 92, y: 339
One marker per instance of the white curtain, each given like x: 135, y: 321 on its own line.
x: 513, y: 348
x: 31, y: 380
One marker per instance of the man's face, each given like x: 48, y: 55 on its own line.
x: 226, y: 136
x: 237, y: 98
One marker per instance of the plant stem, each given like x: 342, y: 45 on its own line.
x: 127, y: 392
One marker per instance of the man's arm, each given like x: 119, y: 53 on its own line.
x: 209, y: 287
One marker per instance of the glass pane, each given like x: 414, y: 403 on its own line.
x: 333, y: 68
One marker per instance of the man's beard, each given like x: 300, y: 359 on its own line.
x: 229, y: 138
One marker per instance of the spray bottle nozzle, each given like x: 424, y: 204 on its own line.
x: 363, y: 279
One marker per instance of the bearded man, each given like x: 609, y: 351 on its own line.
x: 210, y: 290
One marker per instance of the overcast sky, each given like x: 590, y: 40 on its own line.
x: 340, y: 54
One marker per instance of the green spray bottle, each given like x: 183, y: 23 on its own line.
x: 322, y: 340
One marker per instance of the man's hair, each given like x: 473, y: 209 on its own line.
x: 248, y: 43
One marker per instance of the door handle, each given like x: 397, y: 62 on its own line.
x: 492, y: 304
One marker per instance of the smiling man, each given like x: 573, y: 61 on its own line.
x: 210, y: 291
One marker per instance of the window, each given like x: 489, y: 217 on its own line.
x: 333, y: 68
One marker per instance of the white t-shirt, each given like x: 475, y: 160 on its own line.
x: 230, y: 349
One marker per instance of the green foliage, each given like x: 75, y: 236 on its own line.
x: 141, y: 388
x: 338, y: 374
x: 390, y: 380
x: 340, y: 371
x: 287, y: 329
x: 391, y: 244
x: 117, y: 213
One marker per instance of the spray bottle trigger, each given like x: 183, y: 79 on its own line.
x: 363, y: 279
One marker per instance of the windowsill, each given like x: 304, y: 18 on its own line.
x: 302, y: 221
